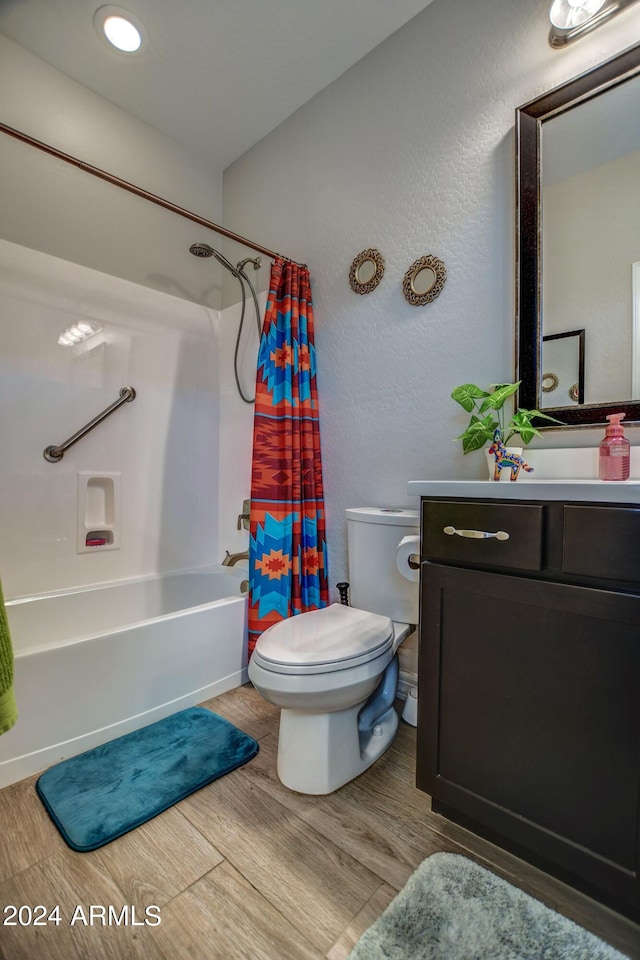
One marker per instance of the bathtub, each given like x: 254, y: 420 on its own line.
x: 94, y: 663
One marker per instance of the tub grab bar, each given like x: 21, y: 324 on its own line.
x: 54, y: 453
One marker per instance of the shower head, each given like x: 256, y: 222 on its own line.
x: 204, y: 250
x: 201, y: 250
x: 255, y: 261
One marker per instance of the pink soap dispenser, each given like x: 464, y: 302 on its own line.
x: 614, y: 451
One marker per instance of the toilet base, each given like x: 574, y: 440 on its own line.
x: 319, y: 752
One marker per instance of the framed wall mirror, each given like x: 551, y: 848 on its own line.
x: 578, y: 237
x: 424, y: 280
x: 366, y: 271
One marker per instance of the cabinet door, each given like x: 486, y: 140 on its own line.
x: 530, y: 719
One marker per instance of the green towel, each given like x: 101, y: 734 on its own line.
x: 8, y: 709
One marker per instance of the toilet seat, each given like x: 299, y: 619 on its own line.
x: 329, y: 640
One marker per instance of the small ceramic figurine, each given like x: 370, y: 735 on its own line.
x: 505, y: 459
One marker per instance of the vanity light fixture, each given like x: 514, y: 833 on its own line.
x: 120, y: 29
x: 571, y: 19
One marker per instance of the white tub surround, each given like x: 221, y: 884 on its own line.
x: 131, y: 476
x: 94, y: 663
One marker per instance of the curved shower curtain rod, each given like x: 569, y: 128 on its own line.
x: 140, y: 192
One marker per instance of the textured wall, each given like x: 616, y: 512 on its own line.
x: 411, y: 151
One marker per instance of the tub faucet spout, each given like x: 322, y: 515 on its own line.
x: 230, y: 559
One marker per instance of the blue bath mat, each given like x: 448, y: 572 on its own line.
x: 101, y: 794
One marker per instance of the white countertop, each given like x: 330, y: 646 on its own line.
x: 559, y: 473
x: 599, y: 491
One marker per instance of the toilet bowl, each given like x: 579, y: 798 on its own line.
x: 333, y: 672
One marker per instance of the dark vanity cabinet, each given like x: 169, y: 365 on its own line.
x: 529, y: 680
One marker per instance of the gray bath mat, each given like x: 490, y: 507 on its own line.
x: 453, y: 909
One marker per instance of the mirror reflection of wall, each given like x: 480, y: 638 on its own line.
x: 635, y: 345
x: 562, y: 361
x: 591, y: 233
x: 423, y: 281
x: 366, y: 271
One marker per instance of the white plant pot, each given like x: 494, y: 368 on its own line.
x: 505, y: 473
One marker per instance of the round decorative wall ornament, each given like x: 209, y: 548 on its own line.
x: 424, y: 280
x: 366, y: 271
x: 549, y: 382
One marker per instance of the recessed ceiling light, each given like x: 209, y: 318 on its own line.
x: 122, y: 34
x: 120, y: 29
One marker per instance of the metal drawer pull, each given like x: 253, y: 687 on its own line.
x: 476, y: 534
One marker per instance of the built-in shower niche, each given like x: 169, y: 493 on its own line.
x: 98, y: 512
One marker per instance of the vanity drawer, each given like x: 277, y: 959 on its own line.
x: 602, y: 542
x: 523, y: 523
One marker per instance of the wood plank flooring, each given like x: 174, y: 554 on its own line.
x: 244, y: 869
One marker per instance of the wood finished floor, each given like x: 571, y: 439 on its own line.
x: 246, y: 870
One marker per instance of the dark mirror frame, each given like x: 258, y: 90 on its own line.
x: 529, y: 120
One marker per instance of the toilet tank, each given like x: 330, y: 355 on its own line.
x: 377, y: 585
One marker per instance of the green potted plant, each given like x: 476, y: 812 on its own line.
x: 488, y: 415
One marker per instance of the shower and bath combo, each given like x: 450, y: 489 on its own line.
x: 205, y: 251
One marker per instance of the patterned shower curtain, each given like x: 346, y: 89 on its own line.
x: 287, y: 544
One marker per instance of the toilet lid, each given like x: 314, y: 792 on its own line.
x: 334, y: 638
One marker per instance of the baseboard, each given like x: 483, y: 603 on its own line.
x: 405, y: 682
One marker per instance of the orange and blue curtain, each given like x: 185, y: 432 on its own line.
x: 287, y: 542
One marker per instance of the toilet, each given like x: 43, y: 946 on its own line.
x: 334, y: 672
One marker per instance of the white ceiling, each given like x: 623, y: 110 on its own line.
x: 217, y: 75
